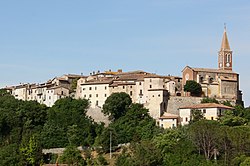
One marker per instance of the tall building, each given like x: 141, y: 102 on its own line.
x: 225, y: 58
x: 221, y: 83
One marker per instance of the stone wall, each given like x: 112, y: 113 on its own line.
x: 97, y: 115
x: 175, y: 102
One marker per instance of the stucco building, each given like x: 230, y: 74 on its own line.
x: 149, y: 89
x: 45, y: 93
x: 210, y: 111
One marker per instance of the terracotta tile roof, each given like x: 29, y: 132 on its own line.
x: 206, y: 105
x: 102, y: 81
x: 169, y: 116
x: 56, y: 87
x: 213, y: 70
x: 74, y: 76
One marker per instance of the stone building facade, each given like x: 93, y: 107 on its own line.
x: 145, y: 88
x: 221, y: 83
x: 45, y: 93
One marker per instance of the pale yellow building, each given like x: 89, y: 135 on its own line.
x: 210, y: 111
x: 168, y: 120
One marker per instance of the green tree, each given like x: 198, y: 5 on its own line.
x: 72, y: 156
x: 135, y: 125
x: 230, y: 119
x: 67, y: 123
x: 73, y: 85
x: 209, y: 100
x: 193, y: 87
x: 146, y: 153
x: 104, y: 139
x: 9, y: 155
x: 116, y: 105
x: 205, y: 134
x: 246, y: 162
x: 124, y: 159
x: 176, y: 148
x: 31, y: 152
x: 196, y: 115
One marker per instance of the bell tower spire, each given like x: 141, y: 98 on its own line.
x: 225, y: 54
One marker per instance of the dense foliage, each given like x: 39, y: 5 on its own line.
x: 116, y: 105
x: 193, y: 87
x: 26, y: 127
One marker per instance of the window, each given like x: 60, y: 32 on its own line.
x: 96, y: 103
x: 96, y: 95
x: 140, y: 91
x: 83, y: 88
x: 90, y: 95
x: 220, y: 112
x: 150, y: 80
x: 105, y: 87
x: 204, y: 111
x: 159, y: 95
x: 150, y: 86
x: 186, y: 119
x: 105, y: 95
x: 95, y: 88
x: 131, y: 93
x: 123, y: 87
x: 90, y: 88
x: 161, y: 125
x: 228, y: 58
x: 49, y: 97
x: 201, y: 79
x: 61, y: 92
x: 84, y: 96
x: 139, y: 83
x: 131, y: 87
x: 212, y: 118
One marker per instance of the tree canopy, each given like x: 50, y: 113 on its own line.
x: 193, y: 87
x: 116, y: 105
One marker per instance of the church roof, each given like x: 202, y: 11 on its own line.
x: 225, y: 44
x: 213, y: 70
x: 209, y: 70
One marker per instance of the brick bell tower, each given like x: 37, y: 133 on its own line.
x: 225, y: 60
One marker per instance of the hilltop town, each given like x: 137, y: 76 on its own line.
x: 164, y: 96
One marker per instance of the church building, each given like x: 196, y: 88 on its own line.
x: 221, y: 83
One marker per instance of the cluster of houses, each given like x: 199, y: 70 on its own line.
x: 152, y: 90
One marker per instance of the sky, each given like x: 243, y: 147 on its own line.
x: 40, y: 40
